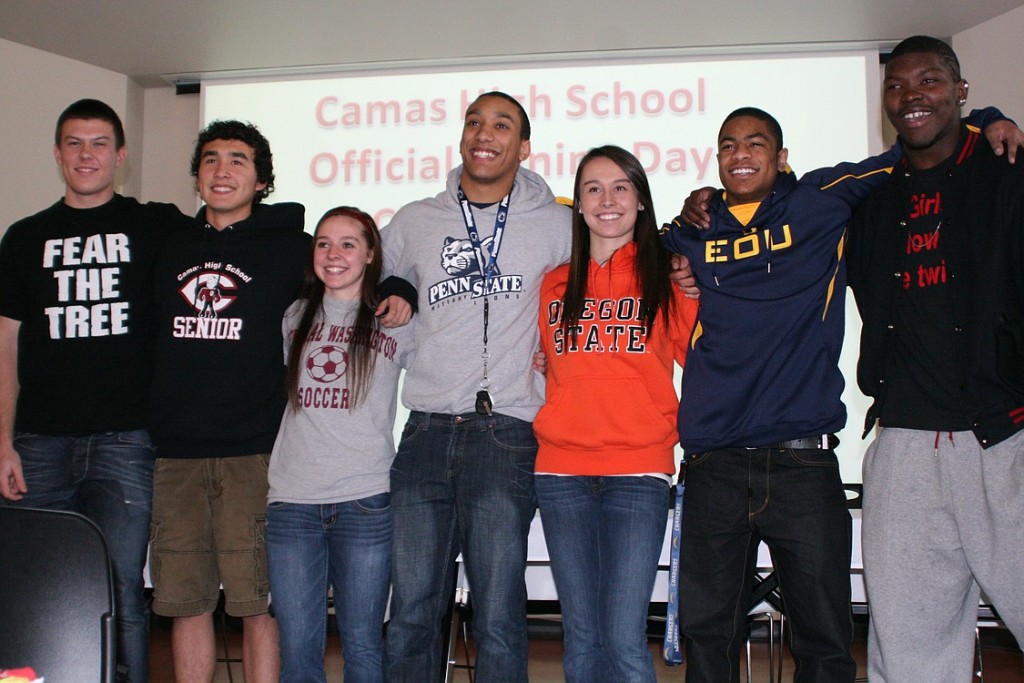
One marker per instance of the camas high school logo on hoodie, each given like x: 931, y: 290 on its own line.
x: 209, y: 292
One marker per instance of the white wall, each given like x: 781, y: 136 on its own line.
x: 160, y: 128
x: 36, y: 87
x: 990, y: 57
x: 169, y: 130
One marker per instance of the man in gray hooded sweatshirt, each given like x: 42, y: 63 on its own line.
x: 463, y: 477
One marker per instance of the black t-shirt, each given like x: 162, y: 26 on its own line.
x: 923, y: 376
x: 79, y: 280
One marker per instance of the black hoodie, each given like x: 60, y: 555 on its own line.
x: 218, y: 385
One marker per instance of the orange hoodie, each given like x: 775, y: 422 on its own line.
x: 610, y: 403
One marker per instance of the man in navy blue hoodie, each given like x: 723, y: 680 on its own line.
x: 761, y: 401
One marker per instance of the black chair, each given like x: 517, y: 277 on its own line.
x: 57, y: 596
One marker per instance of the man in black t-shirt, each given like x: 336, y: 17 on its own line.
x: 75, y: 349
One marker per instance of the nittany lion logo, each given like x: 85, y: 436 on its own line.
x: 458, y: 257
x: 459, y: 260
x: 209, y: 293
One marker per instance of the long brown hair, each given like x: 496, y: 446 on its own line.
x: 652, y: 264
x: 361, y: 357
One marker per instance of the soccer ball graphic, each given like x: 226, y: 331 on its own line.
x: 327, y: 363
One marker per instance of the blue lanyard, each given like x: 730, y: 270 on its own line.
x: 489, y: 265
x: 488, y: 269
x: 671, y: 650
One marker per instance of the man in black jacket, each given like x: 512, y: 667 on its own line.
x: 935, y: 262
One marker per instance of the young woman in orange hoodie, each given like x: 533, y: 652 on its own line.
x: 612, y: 325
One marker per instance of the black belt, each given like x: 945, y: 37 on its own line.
x: 825, y: 442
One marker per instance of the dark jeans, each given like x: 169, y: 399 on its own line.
x: 108, y: 477
x: 460, y: 483
x: 794, y: 501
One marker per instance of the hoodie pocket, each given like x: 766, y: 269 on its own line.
x: 602, y: 412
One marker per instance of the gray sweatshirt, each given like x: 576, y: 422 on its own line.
x: 426, y: 243
x: 326, y: 453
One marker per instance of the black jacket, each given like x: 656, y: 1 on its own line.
x: 983, y: 233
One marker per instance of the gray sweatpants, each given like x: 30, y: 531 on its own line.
x: 939, y: 521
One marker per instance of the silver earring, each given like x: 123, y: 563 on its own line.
x: 640, y: 207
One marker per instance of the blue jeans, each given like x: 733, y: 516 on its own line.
x: 794, y: 501
x: 345, y: 545
x: 108, y: 477
x: 604, y: 536
x: 461, y: 483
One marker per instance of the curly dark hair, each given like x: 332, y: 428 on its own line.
x: 250, y: 135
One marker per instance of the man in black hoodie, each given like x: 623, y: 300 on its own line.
x: 221, y: 289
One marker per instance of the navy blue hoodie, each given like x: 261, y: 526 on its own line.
x: 763, y: 361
